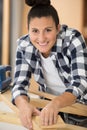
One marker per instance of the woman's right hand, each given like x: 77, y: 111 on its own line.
x: 26, y: 111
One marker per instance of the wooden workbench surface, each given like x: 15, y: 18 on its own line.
x: 14, y: 119
x: 77, y: 108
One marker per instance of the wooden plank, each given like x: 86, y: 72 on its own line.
x: 73, y: 127
x: 6, y: 32
x: 24, y: 29
x: 6, y: 97
x: 9, y: 117
x: 70, y: 127
x: 60, y: 123
x: 39, y: 93
x: 13, y: 118
x: 78, y: 109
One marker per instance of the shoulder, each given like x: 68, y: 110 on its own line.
x: 71, y: 35
x: 25, y: 46
x: 24, y: 41
x: 70, y: 38
x: 68, y: 32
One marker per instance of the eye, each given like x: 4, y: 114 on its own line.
x: 35, y: 31
x: 48, y: 30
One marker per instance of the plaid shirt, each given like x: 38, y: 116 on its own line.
x: 69, y: 55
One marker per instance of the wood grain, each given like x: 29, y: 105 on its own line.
x: 6, y: 32
x: 14, y: 117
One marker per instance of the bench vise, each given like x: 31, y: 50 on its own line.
x: 4, y: 80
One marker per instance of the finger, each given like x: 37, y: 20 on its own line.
x: 23, y: 120
x: 30, y: 124
x: 46, y: 120
x: 36, y: 112
x: 27, y: 123
x: 42, y: 115
x: 55, y: 118
x: 51, y: 118
x: 45, y: 117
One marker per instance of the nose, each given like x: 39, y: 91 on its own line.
x: 41, y: 37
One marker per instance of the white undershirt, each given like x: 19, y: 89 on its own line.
x: 53, y: 81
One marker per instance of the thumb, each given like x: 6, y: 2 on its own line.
x: 36, y: 112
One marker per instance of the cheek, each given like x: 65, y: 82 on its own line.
x: 32, y: 38
x: 53, y: 37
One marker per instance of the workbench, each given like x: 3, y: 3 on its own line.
x: 13, y: 118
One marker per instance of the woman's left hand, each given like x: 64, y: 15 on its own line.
x: 49, y: 114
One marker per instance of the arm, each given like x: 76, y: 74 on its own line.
x: 26, y: 111
x: 78, y: 53
x: 22, y: 76
x: 64, y: 100
x: 49, y: 113
x: 20, y: 90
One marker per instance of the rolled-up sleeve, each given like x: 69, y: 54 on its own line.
x: 78, y: 53
x: 22, y: 74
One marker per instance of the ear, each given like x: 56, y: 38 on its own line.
x: 58, y: 28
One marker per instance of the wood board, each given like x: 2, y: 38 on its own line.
x: 14, y: 118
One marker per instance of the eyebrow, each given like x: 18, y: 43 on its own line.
x: 45, y: 28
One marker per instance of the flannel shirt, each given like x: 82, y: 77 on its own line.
x: 69, y: 55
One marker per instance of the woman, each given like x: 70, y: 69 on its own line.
x: 56, y: 55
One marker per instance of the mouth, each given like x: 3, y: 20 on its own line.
x: 43, y: 44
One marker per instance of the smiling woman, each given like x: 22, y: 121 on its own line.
x: 43, y: 34
x: 56, y: 55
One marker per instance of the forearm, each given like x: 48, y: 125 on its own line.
x: 26, y: 111
x: 64, y: 100
x: 21, y: 101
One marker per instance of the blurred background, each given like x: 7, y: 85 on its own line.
x: 13, y: 19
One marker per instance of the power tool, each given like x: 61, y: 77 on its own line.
x: 5, y: 80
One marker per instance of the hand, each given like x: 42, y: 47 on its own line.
x: 26, y: 113
x: 49, y: 114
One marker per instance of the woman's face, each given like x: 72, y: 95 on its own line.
x: 43, y: 32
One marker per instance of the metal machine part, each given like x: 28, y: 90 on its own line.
x: 5, y: 80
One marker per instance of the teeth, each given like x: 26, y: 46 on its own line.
x: 42, y: 44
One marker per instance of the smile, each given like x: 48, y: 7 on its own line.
x: 43, y: 44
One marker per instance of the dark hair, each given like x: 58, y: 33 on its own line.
x: 37, y: 2
x: 42, y: 8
